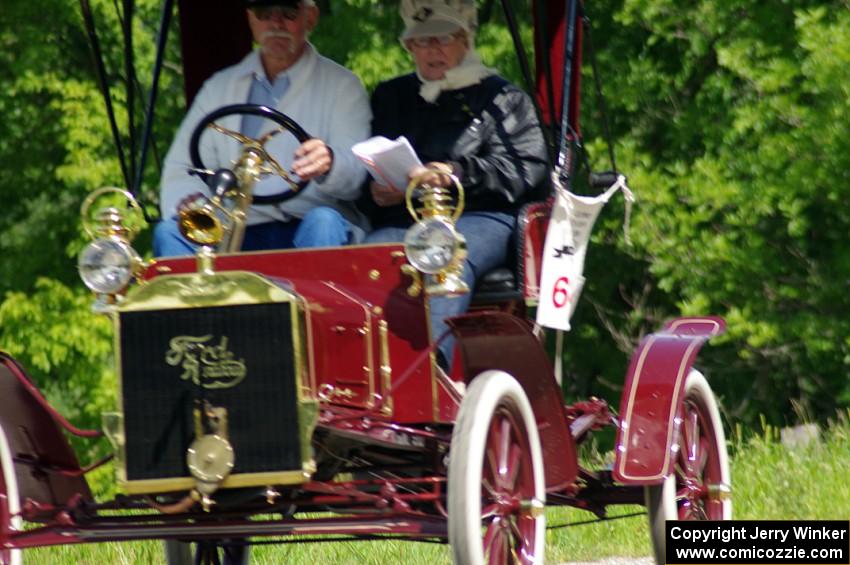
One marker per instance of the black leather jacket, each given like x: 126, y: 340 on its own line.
x: 488, y: 132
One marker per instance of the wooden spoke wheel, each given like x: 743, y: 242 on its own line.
x: 496, y: 488
x: 700, y: 486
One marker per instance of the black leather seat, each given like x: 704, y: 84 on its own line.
x: 497, y: 285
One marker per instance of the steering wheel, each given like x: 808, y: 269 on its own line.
x: 259, y: 145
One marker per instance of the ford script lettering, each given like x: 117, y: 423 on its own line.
x: 204, y: 363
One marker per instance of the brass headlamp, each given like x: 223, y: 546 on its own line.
x: 432, y: 244
x: 109, y: 262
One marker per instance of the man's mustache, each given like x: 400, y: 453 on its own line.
x: 275, y: 34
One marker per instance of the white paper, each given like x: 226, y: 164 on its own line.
x: 388, y: 160
x: 570, y: 225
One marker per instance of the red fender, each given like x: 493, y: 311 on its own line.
x: 653, y: 391
x: 496, y: 340
x: 46, y: 467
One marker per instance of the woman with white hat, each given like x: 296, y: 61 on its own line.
x: 461, y: 117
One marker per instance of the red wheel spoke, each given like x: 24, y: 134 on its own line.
x: 684, y: 438
x: 513, y: 468
x: 702, y: 456
x: 698, y: 512
x: 691, y: 463
x: 504, y: 449
x: 682, y: 454
x: 489, y: 489
x: 499, y: 548
x: 489, y: 511
x: 689, y: 438
x: 490, y: 536
x: 696, y: 435
x: 491, y: 468
x: 515, y: 556
x: 506, y: 461
x: 679, y: 471
x: 495, y: 450
x: 519, y: 540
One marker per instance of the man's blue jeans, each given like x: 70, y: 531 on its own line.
x: 320, y: 227
x: 487, y: 235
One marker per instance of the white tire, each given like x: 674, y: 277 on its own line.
x: 700, y: 484
x: 13, y: 500
x: 496, y: 484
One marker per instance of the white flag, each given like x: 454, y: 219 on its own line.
x: 570, y: 225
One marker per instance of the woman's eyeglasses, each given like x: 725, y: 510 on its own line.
x: 439, y: 40
x: 268, y: 13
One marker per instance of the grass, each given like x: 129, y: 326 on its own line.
x: 773, y: 482
x: 770, y: 482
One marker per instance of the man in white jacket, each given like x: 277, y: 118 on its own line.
x: 285, y: 72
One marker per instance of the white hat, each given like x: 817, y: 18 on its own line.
x: 432, y: 19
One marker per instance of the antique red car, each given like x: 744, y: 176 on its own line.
x: 296, y: 393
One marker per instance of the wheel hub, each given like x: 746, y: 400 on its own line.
x: 719, y: 491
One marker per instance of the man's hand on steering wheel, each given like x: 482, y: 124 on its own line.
x: 313, y: 158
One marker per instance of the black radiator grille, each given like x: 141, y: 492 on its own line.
x: 158, y: 402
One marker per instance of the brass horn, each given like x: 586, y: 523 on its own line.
x: 219, y: 220
x: 200, y: 220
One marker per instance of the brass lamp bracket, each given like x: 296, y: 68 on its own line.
x: 436, y: 200
x: 112, y: 220
x: 415, y: 288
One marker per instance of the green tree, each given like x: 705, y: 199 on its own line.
x: 731, y: 120
x: 55, y: 147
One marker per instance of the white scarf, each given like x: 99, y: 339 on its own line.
x: 470, y: 71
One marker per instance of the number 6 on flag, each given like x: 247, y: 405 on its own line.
x: 560, y: 294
